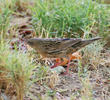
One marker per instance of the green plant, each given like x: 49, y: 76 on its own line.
x: 5, y: 13
x: 15, y: 71
x: 86, y: 91
x: 66, y: 18
x: 45, y: 76
x: 92, y: 55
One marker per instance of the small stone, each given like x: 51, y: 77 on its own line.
x: 58, y: 69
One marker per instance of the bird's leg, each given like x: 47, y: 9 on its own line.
x: 73, y: 56
x: 59, y: 62
x: 67, y: 69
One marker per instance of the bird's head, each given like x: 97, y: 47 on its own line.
x: 33, y: 42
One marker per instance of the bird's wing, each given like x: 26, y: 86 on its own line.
x: 59, y: 44
x: 69, y: 42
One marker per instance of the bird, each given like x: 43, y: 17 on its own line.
x: 59, y: 47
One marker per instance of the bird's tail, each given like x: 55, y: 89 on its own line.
x: 83, y: 43
x: 86, y: 42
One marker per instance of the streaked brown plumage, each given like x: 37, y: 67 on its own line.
x: 58, y: 47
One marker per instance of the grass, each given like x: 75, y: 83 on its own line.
x: 15, y: 71
x: 67, y: 19
x: 5, y: 13
x: 86, y: 92
x: 89, y: 57
x: 45, y: 76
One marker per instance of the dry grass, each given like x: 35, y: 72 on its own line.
x: 44, y: 76
x: 15, y: 71
x: 92, y: 55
